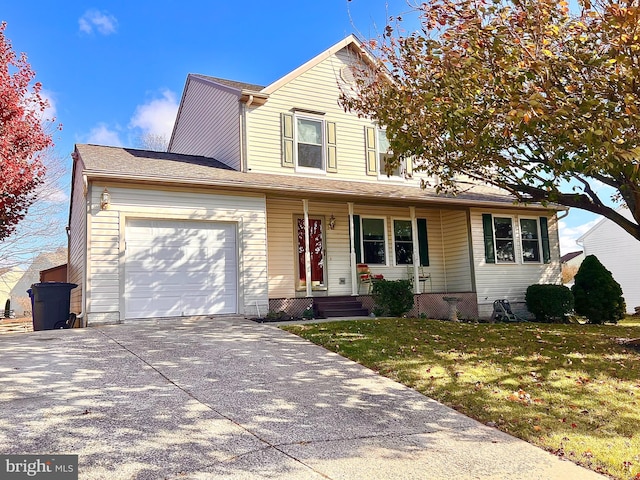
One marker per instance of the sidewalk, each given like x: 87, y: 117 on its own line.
x: 233, y: 399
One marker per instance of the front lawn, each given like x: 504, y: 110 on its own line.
x: 570, y: 389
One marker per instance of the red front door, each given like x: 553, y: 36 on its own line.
x: 316, y: 250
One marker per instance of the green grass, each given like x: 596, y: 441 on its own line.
x: 570, y: 389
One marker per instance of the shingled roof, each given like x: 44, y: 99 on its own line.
x: 142, y: 166
x: 230, y: 83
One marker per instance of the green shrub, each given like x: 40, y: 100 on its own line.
x: 596, y: 294
x: 549, y: 303
x: 392, y: 297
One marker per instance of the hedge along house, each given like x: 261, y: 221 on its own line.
x: 270, y: 197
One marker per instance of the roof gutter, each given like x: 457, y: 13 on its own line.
x: 294, y: 189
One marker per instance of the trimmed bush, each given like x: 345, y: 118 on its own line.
x: 392, y: 297
x: 549, y: 303
x: 596, y: 294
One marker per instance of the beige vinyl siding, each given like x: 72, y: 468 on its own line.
x: 456, y: 251
x: 282, y: 247
x: 316, y: 90
x: 108, y: 242
x: 510, y: 280
x: 209, y: 124
x: 77, y: 238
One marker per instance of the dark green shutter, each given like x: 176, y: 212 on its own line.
x: 423, y: 244
x: 544, y: 232
x: 356, y: 240
x: 487, y: 225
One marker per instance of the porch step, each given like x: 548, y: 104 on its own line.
x: 339, y: 307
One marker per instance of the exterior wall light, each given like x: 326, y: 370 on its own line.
x: 105, y: 199
x: 332, y: 222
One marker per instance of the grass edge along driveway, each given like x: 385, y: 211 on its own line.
x: 573, y: 390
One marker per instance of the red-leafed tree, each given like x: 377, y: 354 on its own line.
x: 23, y: 138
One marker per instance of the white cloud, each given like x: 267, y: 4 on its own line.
x: 102, y: 135
x: 569, y: 235
x: 49, y: 112
x: 102, y: 22
x: 157, y: 116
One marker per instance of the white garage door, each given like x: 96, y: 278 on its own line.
x: 175, y: 268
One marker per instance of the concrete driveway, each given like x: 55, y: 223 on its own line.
x: 229, y: 398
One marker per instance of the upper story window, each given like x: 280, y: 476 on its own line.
x: 385, y: 155
x: 309, y: 143
x: 378, y: 154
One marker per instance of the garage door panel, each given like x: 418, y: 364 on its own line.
x: 175, y: 268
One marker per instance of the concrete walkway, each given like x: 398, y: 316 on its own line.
x: 232, y: 399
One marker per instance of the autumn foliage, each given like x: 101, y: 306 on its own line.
x: 530, y: 96
x: 22, y: 136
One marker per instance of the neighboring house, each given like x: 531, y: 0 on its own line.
x: 8, y: 279
x: 20, y: 300
x: 270, y: 197
x: 619, y: 252
x: 570, y: 264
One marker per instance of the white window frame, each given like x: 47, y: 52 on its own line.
x: 393, y: 238
x: 382, y: 175
x: 539, y: 240
x: 514, y: 237
x: 384, y: 239
x: 323, y: 144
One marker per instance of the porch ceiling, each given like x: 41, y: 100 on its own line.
x: 145, y: 167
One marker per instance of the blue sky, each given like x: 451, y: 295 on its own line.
x: 115, y: 70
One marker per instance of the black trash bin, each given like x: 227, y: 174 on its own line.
x: 50, y: 304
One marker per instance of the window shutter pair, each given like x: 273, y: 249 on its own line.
x: 288, y: 143
x: 489, y: 252
x: 371, y: 153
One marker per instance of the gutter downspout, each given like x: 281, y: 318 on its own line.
x: 83, y: 302
x: 243, y: 134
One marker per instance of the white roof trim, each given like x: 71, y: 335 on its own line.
x: 350, y: 40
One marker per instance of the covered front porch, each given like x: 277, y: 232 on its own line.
x: 316, y: 249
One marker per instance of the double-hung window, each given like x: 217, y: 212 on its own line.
x: 309, y: 142
x: 385, y: 155
x: 500, y: 239
x: 403, y: 242
x: 503, y: 229
x: 530, y: 240
x: 373, y: 241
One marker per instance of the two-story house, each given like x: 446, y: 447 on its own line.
x: 271, y: 198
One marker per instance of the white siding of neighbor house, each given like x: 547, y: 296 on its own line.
x: 77, y: 239
x: 106, y: 287
x: 209, y: 124
x: 316, y: 90
x: 509, y: 281
x: 619, y: 252
x: 281, y: 215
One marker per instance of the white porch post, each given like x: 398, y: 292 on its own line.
x: 416, y: 250
x: 307, y: 252
x: 352, y: 253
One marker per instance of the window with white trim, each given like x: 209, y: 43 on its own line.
x: 310, y: 142
x: 374, y: 246
x: 403, y: 242
x: 530, y: 237
x: 503, y: 234
x: 385, y: 154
